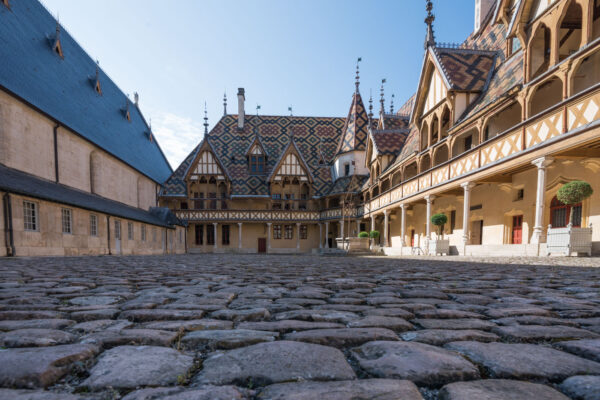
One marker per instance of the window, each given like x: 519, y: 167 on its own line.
x: 67, y: 226
x: 213, y: 201
x: 198, y: 203
x: 118, y: 230
x: 560, y: 214
x: 276, y: 196
x: 303, y: 232
x: 346, y: 169
x: 143, y: 233
x: 520, y: 194
x: 452, y: 220
x: 184, y: 205
x: 30, y: 217
x: 130, y: 230
x: 257, y: 164
x: 225, y: 235
x: 153, y: 234
x: 199, y: 234
x: 276, y: 231
x: 515, y: 45
x: 210, y: 234
x: 468, y: 142
x: 93, y: 225
x: 289, y: 232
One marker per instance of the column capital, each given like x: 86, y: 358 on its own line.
x: 467, y: 186
x: 403, y: 206
x: 269, y: 223
x: 542, y: 162
x: 429, y: 198
x: 298, y: 223
x: 239, y: 223
x: 215, y: 223
x: 386, y: 212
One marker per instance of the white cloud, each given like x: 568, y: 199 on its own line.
x: 177, y: 135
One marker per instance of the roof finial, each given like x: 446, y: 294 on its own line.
x: 370, y: 103
x: 382, y: 99
x: 257, y: 108
x: 392, y: 105
x: 358, y: 73
x: 225, y: 103
x: 57, y: 27
x: 291, y: 110
x: 205, y: 120
x: 430, y: 38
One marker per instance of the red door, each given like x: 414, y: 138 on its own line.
x: 262, y: 245
x: 517, y: 229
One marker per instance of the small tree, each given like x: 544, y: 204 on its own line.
x: 439, y: 220
x: 363, y: 235
x: 374, y: 234
x: 574, y: 193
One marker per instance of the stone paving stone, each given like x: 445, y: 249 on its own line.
x: 376, y: 321
x: 365, y: 389
x: 288, y: 325
x: 534, y: 320
x: 33, y: 367
x: 127, y: 367
x: 111, y: 338
x: 420, y: 363
x: 524, y: 361
x: 390, y: 312
x: 160, y: 314
x: 586, y: 348
x: 12, y: 325
x: 189, y: 325
x: 343, y: 337
x: 439, y: 337
x: 94, y: 300
x: 535, y: 333
x: 226, y: 339
x: 35, y: 337
x: 586, y: 387
x: 251, y: 314
x: 274, y: 362
x: 11, y: 394
x: 499, y: 389
x: 100, y: 325
x: 91, y: 315
x: 446, y: 314
x: 31, y: 314
x: 207, y: 392
x: 342, y: 317
x: 460, y: 323
x: 512, y: 312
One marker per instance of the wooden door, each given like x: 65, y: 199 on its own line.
x: 477, y: 232
x: 412, y: 238
x: 262, y: 245
x: 517, y: 229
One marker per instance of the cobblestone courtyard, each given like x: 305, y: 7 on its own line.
x: 299, y: 327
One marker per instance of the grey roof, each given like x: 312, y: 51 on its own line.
x: 18, y: 182
x: 63, y: 88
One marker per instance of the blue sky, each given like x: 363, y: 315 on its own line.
x: 179, y: 54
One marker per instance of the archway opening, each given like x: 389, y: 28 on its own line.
x: 570, y: 32
x: 540, y: 51
x: 465, y: 142
x: 503, y: 121
x: 587, y: 74
x: 435, y: 130
x: 425, y: 163
x: 546, y: 95
x: 410, y: 171
x: 445, y: 122
x: 424, y: 136
x: 440, y: 155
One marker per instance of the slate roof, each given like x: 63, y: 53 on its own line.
x: 356, y: 129
x: 63, y: 88
x: 466, y: 69
x: 18, y: 182
x: 313, y: 136
x: 389, y: 141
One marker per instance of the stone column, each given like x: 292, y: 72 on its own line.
x: 298, y: 236
x: 357, y: 227
x: 429, y: 200
x: 268, y: 236
x: 541, y: 164
x: 467, y: 186
x: 386, y: 215
x: 320, y: 236
x: 342, y: 229
x: 403, y: 225
x: 216, y: 238
x: 239, y: 235
x: 372, y: 222
x: 326, y: 235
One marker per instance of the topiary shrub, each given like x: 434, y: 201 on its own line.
x: 363, y: 235
x: 374, y: 234
x: 574, y: 193
x: 439, y: 220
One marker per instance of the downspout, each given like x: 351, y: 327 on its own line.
x: 8, y: 226
x: 56, y: 152
x: 108, y: 234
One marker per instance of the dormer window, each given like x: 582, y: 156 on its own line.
x: 6, y: 3
x: 128, y: 116
x: 58, y: 48
x: 347, y: 169
x: 256, y: 164
x: 97, y: 88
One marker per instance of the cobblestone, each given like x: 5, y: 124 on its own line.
x: 122, y: 326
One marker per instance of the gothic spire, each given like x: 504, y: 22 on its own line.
x: 370, y: 104
x: 225, y: 103
x: 205, y: 120
x: 382, y: 99
x: 358, y: 73
x: 392, y: 105
x: 430, y: 38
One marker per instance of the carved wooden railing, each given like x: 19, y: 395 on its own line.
x: 248, y: 215
x: 575, y: 112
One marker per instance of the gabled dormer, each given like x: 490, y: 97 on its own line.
x: 206, y: 164
x: 291, y: 165
x: 256, y: 155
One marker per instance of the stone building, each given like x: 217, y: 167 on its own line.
x: 497, y: 125
x: 80, y: 170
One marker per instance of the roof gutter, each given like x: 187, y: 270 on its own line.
x: 8, y: 226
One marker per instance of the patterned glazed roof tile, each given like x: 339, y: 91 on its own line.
x: 466, y: 69
x: 312, y: 136
x: 63, y: 88
x: 347, y: 184
x: 411, y: 145
x: 407, y: 107
x: 393, y: 121
x: 356, y: 129
x: 389, y: 141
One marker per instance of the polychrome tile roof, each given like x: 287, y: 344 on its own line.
x: 63, y: 88
x: 407, y: 107
x: 356, y: 129
x: 466, y: 69
x: 394, y: 121
x: 347, y: 185
x: 389, y: 141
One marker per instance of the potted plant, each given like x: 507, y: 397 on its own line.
x: 373, y: 235
x: 571, y: 239
x: 360, y: 243
x: 439, y: 245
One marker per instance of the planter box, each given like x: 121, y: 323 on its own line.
x: 440, y: 246
x: 358, y: 244
x: 569, y: 240
x: 342, y: 243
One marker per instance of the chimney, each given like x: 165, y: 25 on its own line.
x: 241, y: 112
